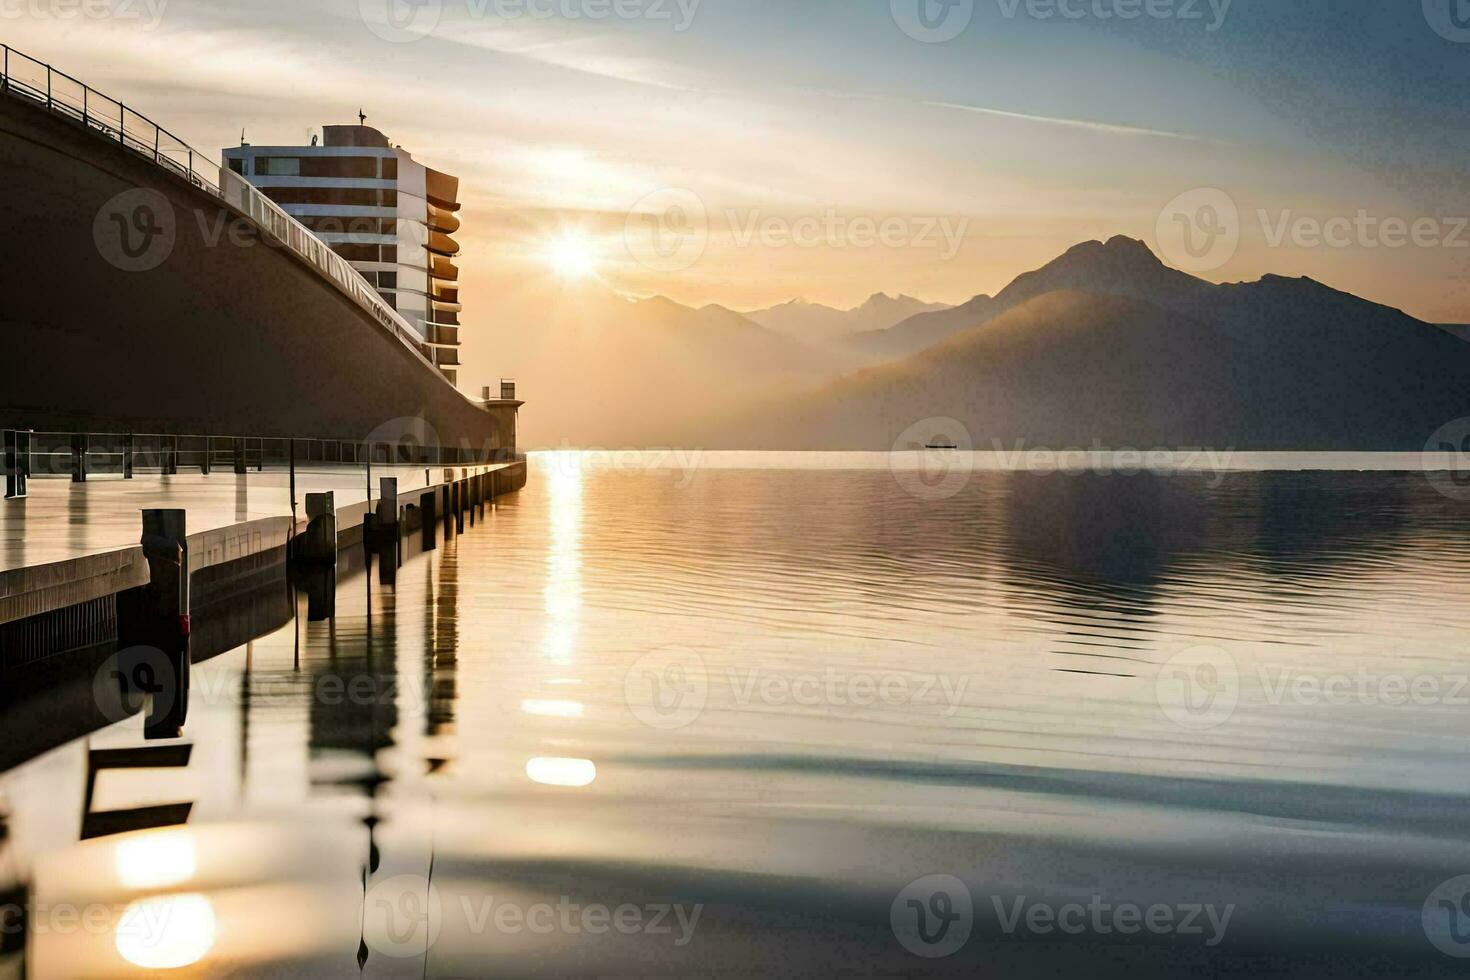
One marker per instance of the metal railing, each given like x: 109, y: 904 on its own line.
x: 24, y: 77
x: 28, y: 453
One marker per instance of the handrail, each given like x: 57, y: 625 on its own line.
x: 36, y: 81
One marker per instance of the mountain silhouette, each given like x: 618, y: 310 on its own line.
x: 813, y: 322
x: 1107, y: 344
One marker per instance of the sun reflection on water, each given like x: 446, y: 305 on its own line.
x: 156, y: 860
x: 166, y: 932
x: 563, y: 594
x: 561, y: 772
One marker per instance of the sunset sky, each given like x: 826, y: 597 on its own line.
x: 1025, y: 134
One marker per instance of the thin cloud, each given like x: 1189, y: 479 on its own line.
x: 1087, y: 124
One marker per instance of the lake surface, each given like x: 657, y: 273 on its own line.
x: 789, y: 714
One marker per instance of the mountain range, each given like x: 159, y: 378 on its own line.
x: 1107, y: 344
x: 815, y: 323
x: 1104, y: 344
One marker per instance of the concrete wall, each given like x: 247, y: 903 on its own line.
x: 228, y: 334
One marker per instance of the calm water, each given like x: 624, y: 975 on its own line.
x: 731, y: 719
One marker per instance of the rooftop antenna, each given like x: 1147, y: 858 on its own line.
x: 362, y: 117
x: 242, y: 137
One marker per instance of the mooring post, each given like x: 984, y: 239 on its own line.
x: 318, y: 543
x: 429, y: 520
x: 387, y: 514
x: 458, y: 506
x: 208, y: 454
x: 15, y: 464
x: 79, y: 459
x: 153, y: 626
x: 239, y: 456
x: 128, y: 449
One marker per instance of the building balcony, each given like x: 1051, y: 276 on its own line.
x: 442, y: 220
x: 441, y: 244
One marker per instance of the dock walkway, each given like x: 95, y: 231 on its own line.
x: 68, y: 543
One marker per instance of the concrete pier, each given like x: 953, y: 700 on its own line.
x: 67, y: 550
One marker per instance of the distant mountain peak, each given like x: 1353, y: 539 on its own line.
x: 1119, y: 248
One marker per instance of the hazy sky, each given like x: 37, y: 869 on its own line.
x: 936, y: 169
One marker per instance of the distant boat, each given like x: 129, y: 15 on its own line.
x: 941, y: 445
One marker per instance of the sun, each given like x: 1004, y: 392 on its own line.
x: 572, y: 256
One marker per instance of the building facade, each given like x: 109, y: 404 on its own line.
x: 391, y: 217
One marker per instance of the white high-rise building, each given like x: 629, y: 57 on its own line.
x: 388, y: 215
